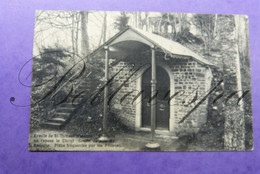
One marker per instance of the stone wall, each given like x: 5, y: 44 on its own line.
x: 124, y: 109
x: 189, y: 78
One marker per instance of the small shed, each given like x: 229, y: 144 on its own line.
x: 155, y: 82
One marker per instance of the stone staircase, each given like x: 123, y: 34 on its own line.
x: 61, y: 117
x: 65, y: 111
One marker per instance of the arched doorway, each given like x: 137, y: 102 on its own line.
x: 162, y: 106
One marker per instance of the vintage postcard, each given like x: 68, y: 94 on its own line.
x: 140, y: 81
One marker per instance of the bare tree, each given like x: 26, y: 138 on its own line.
x: 104, y: 30
x: 84, y: 34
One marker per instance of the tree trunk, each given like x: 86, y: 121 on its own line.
x: 147, y: 21
x: 234, y: 126
x: 72, y: 36
x: 104, y: 30
x: 84, y: 34
x: 77, y: 34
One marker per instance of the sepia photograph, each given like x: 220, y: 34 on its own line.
x: 140, y: 81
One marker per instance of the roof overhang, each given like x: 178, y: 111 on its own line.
x: 133, y: 38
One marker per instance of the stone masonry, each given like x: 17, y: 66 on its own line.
x: 191, y: 78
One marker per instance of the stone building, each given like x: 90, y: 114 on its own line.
x: 140, y: 65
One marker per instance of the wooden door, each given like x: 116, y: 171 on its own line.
x: 162, y: 107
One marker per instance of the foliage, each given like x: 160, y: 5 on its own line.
x: 45, y: 74
x: 121, y: 21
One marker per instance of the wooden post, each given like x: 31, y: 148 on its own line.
x: 153, y: 92
x: 153, y: 145
x: 105, y: 90
x: 104, y: 137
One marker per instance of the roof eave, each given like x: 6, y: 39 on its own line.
x: 129, y: 27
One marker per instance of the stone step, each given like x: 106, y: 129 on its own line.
x: 81, y: 88
x: 53, y: 123
x: 63, y: 114
x: 64, y: 109
x: 75, y: 103
x: 49, y: 124
x: 68, y: 105
x: 58, y: 120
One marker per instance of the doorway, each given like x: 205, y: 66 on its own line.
x: 162, y: 97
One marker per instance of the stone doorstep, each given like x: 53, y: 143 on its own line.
x: 171, y: 137
x: 147, y: 137
x: 164, y: 134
